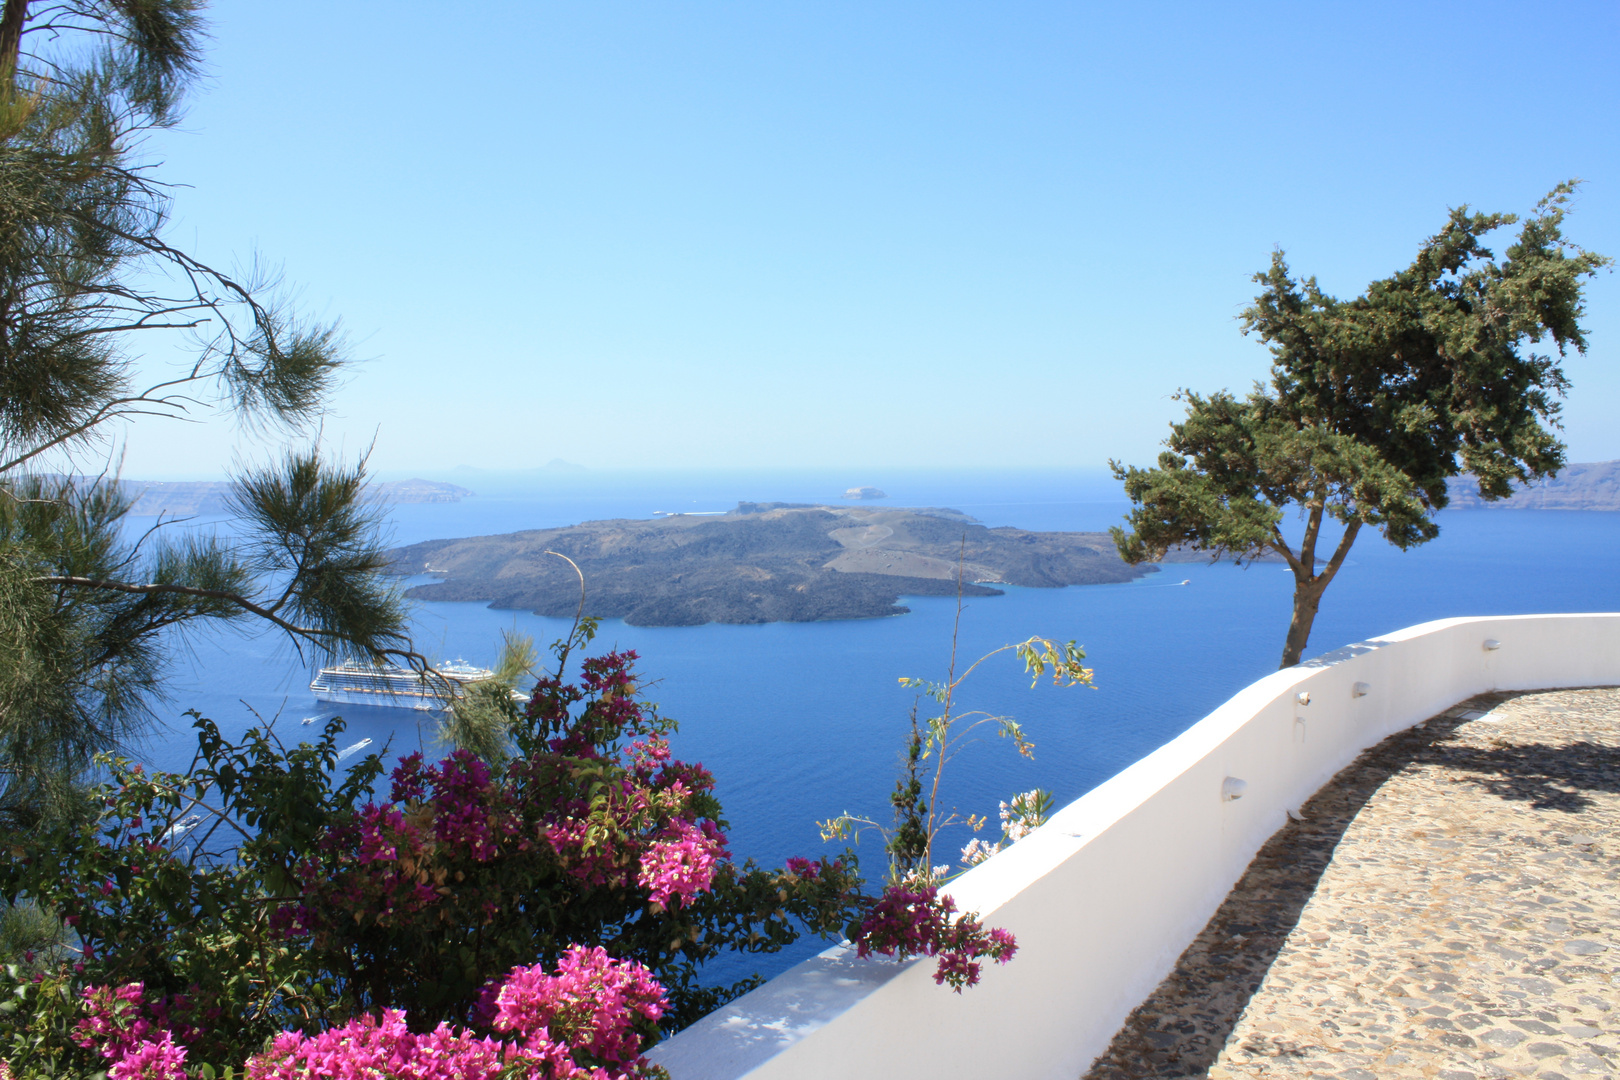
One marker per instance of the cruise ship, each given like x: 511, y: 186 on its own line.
x: 391, y: 686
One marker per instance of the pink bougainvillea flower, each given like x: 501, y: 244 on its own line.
x: 679, y: 863
x: 589, y: 1007
x: 152, y: 1059
x: 130, y: 1032
x: 368, y: 1047
x: 591, y: 1003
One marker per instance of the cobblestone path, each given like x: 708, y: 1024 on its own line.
x: 1448, y: 908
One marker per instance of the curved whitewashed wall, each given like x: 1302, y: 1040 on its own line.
x: 1107, y: 894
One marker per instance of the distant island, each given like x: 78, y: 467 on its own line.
x: 418, y: 491
x: 865, y: 493
x: 154, y: 497
x: 1593, y: 485
x: 758, y: 563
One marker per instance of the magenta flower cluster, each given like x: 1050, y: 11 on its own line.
x: 391, y: 862
x: 590, y: 1005
x: 575, y: 1025
x: 135, y: 1035
x: 680, y: 861
x: 604, y: 814
x: 369, y: 1048
x: 806, y: 869
x: 910, y: 920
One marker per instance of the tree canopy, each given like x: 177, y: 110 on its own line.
x: 1374, y: 403
x: 87, y: 283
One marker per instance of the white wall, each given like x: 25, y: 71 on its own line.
x: 1107, y: 894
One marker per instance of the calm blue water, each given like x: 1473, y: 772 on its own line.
x: 800, y: 722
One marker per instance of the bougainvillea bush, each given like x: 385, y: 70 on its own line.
x: 264, y: 904
x: 584, y: 1021
x: 591, y: 834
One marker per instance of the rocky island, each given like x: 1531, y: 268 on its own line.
x: 762, y: 562
x: 1589, y: 485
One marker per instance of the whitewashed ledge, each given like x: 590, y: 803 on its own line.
x: 1107, y: 894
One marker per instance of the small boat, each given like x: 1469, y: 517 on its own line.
x: 181, y: 827
x: 347, y: 750
x: 309, y: 719
x: 1187, y: 582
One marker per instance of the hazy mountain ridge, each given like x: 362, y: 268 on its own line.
x: 1592, y: 485
x: 153, y: 497
x: 767, y: 562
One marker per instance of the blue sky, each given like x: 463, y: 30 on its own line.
x: 852, y: 234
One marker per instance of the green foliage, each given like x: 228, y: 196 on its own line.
x: 37, y: 1017
x: 1374, y: 403
x: 908, y: 843
x: 75, y: 666
x: 87, y: 614
x: 263, y: 889
x: 190, y: 914
x: 310, y: 532
x: 479, y: 717
x: 85, y: 279
x: 84, y: 270
x: 34, y: 934
x: 919, y: 822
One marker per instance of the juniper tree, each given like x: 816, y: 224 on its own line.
x: 87, y: 283
x: 1374, y: 403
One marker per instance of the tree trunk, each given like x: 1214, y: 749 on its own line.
x: 1307, y: 595
x: 11, y: 28
x: 1308, y: 589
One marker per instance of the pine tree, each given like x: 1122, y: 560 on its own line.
x: 87, y: 282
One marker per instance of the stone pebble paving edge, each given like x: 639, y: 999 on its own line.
x: 1448, y: 907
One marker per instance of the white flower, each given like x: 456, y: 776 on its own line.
x: 1020, y: 817
x: 977, y: 851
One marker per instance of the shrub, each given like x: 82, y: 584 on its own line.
x: 262, y: 895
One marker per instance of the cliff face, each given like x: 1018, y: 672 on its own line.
x: 1584, y: 486
x: 759, y: 563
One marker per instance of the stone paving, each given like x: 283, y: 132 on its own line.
x: 1449, y: 907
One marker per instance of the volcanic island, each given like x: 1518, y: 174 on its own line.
x: 758, y: 563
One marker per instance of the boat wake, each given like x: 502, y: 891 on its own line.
x: 181, y: 827
x: 347, y: 750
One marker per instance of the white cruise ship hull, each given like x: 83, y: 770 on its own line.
x: 390, y: 687
x: 385, y: 698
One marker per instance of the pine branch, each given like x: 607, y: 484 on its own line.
x: 322, y: 637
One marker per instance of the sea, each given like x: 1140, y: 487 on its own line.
x: 800, y: 722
